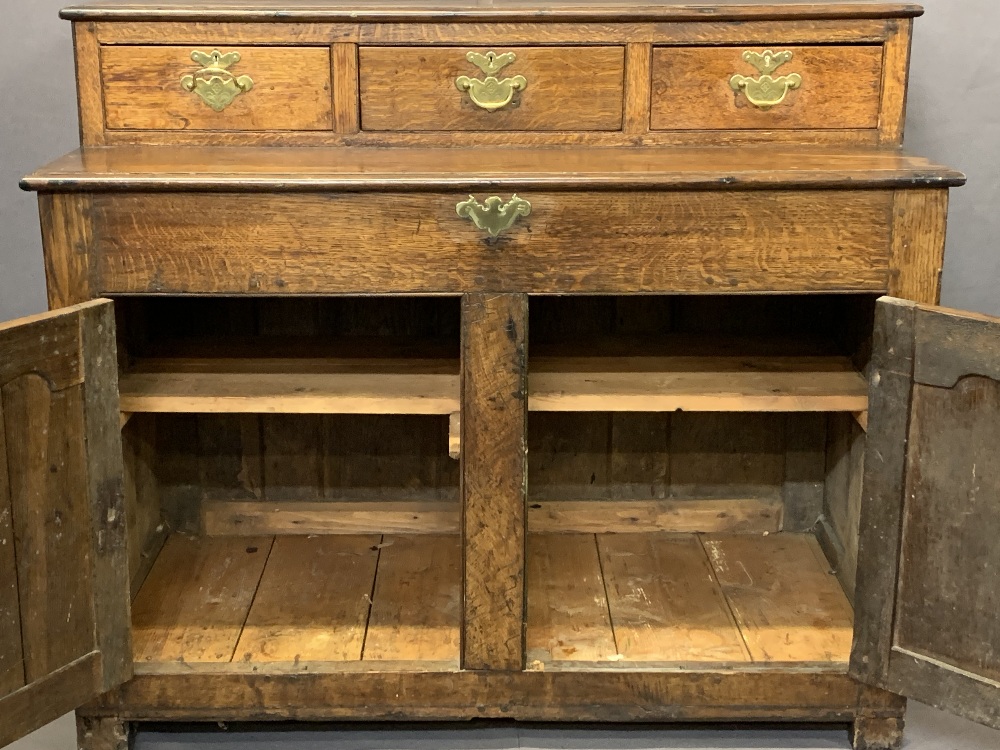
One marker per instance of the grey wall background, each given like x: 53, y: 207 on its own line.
x: 954, y: 117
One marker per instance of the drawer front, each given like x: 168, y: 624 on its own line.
x: 594, y: 242
x: 743, y: 88
x: 518, y: 88
x: 241, y: 89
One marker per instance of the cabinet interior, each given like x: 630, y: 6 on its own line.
x: 694, y: 479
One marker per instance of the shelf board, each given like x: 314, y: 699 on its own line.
x: 431, y: 386
x: 702, y: 383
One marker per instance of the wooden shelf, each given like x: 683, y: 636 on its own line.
x: 642, y: 600
x: 291, y: 386
x: 573, y: 384
x: 697, y: 383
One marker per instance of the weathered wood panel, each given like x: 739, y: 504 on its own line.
x: 494, y: 478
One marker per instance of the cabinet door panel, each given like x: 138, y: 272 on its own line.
x: 63, y: 575
x: 929, y: 563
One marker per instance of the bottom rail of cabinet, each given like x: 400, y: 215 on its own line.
x: 599, y: 696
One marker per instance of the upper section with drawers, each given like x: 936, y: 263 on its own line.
x: 457, y: 73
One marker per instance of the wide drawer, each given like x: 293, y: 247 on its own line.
x: 835, y: 87
x: 244, y: 88
x: 510, y: 88
x: 428, y: 242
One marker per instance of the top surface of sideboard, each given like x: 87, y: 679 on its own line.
x: 442, y: 73
x: 380, y: 10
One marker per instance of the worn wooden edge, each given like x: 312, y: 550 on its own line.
x: 638, y: 88
x: 534, y: 14
x: 840, y: 138
x: 919, y: 230
x: 286, y: 668
x: 882, y: 500
x: 106, y: 490
x: 895, y: 83
x: 677, y: 695
x: 494, y: 479
x: 738, y: 515
x: 66, y: 242
x: 346, y: 96
x: 952, y: 345
x: 944, y: 686
x: 257, y: 518
x: 43, y: 181
x: 104, y: 733
x: 90, y: 90
x: 45, y: 700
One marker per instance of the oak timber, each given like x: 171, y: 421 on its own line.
x: 292, y: 90
x: 640, y: 384
x: 816, y: 104
x: 444, y: 10
x: 194, y: 602
x: 312, y: 601
x: 494, y: 479
x: 565, y: 168
x: 663, y: 600
x: 390, y: 102
x: 788, y: 604
x: 416, y: 601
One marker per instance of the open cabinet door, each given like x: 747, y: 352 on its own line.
x: 927, y: 620
x: 64, y: 609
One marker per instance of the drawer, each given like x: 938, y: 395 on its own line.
x: 740, y: 88
x: 518, y: 88
x: 573, y: 241
x: 241, y: 89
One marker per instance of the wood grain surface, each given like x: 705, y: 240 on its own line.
x: 572, y: 242
x: 413, y: 89
x: 381, y: 10
x: 691, y: 91
x: 494, y: 478
x: 142, y: 89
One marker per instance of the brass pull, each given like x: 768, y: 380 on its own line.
x: 216, y: 86
x: 766, y: 91
x: 494, y: 216
x: 491, y: 93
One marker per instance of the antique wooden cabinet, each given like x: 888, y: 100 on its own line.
x: 444, y: 361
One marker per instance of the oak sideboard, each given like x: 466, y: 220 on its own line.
x: 440, y: 361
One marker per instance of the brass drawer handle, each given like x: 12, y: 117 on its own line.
x: 216, y: 86
x: 491, y: 93
x: 766, y: 91
x: 494, y: 216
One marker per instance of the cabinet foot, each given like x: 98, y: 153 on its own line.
x: 103, y: 734
x: 868, y: 733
